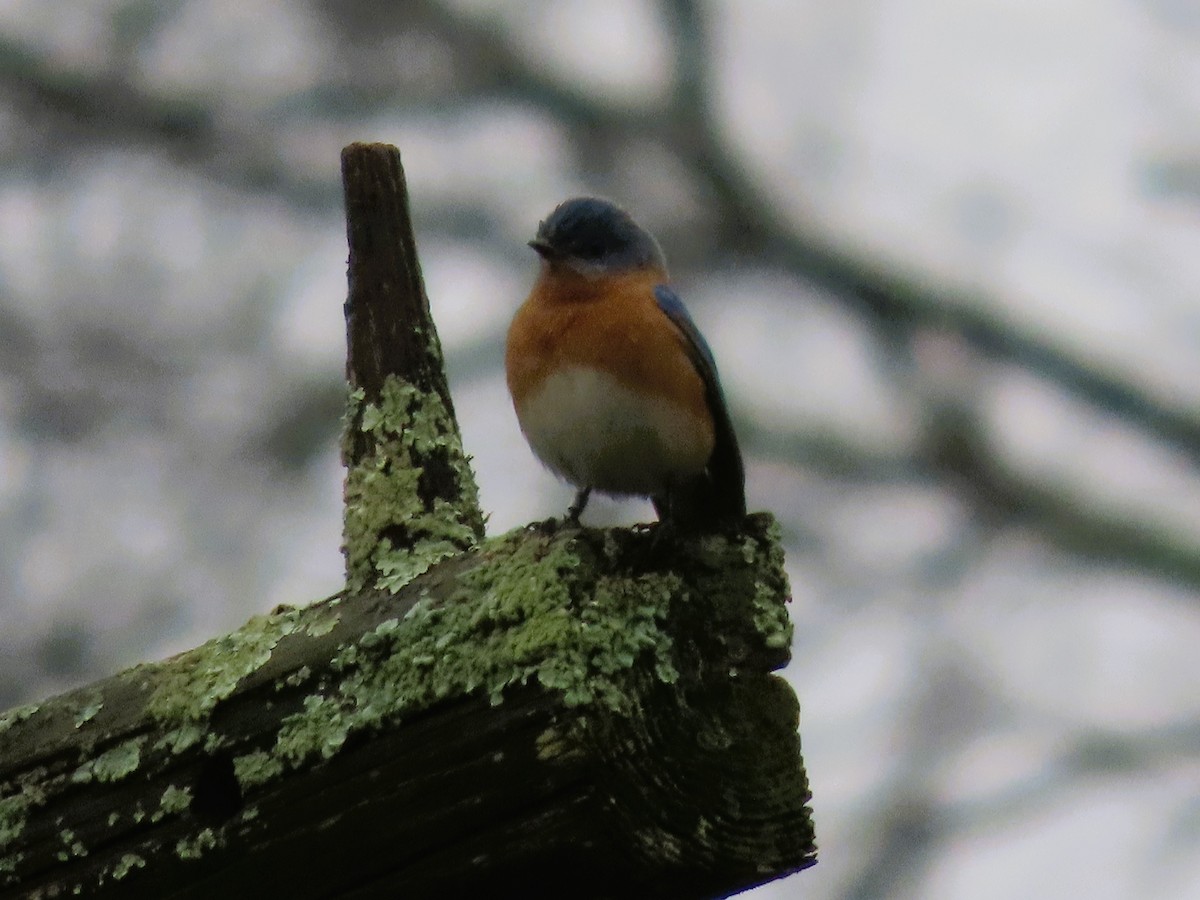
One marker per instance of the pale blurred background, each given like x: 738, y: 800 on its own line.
x: 947, y: 253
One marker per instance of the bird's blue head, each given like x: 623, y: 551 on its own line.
x: 595, y: 237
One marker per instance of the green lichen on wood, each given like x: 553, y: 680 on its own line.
x: 325, y: 621
x: 71, y: 846
x: 586, y: 614
x: 528, y: 608
x: 174, y: 799
x: 770, y: 617
x: 126, y: 864
x: 295, y: 679
x: 519, y: 616
x: 255, y: 768
x: 16, y: 807
x: 198, y: 680
x: 197, y: 845
x: 89, y: 708
x: 771, y: 582
x: 111, y: 765
x: 15, y: 810
x: 392, y: 533
x: 179, y: 739
x: 16, y: 715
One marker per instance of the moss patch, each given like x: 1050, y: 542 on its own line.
x: 111, y: 765
x: 392, y: 532
x: 770, y: 616
x: 14, y: 811
x: 201, y: 678
x: 520, y: 616
x: 16, y: 715
x: 126, y: 864
x: 196, y: 846
x: 586, y: 614
x: 89, y: 708
x: 175, y: 799
x: 256, y: 768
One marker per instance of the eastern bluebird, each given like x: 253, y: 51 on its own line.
x: 614, y: 386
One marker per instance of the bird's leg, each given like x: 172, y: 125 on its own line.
x: 665, y: 531
x: 576, y: 509
x: 662, y: 506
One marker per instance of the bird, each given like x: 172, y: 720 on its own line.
x: 614, y: 387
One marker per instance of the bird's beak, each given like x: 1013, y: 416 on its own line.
x: 544, y: 250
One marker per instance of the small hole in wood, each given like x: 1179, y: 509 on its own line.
x: 217, y: 796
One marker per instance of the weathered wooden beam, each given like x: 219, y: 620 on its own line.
x: 579, y: 705
x: 550, y: 711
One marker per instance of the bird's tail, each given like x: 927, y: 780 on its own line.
x: 716, y: 496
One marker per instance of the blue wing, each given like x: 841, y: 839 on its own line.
x: 669, y: 302
x: 720, y: 494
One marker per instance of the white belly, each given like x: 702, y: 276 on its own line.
x: 595, y: 432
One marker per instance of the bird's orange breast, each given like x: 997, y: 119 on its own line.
x: 611, y: 324
x: 603, y: 385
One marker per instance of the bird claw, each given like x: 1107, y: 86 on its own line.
x: 575, y: 510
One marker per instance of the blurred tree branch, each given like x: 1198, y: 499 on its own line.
x: 895, y: 306
x: 753, y: 224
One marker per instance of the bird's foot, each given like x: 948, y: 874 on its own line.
x: 576, y: 509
